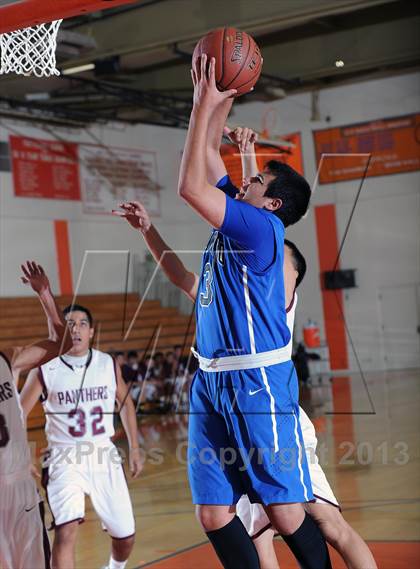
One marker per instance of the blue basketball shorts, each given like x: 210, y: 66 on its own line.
x: 244, y: 437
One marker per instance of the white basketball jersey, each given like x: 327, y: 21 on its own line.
x: 79, y: 403
x: 291, y: 311
x: 14, y: 449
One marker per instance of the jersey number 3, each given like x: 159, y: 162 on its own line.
x: 80, y: 429
x: 4, y: 432
x: 206, y: 298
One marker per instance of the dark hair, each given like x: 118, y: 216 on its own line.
x: 79, y: 308
x: 117, y: 354
x: 299, y: 261
x: 132, y: 354
x: 293, y: 190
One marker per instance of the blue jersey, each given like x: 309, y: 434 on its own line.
x: 240, y: 306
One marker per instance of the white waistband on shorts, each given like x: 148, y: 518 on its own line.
x: 245, y: 361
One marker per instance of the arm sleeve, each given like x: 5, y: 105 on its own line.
x: 251, y: 229
x: 225, y: 184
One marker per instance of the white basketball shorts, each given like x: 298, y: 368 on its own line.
x: 23, y: 539
x: 253, y: 516
x: 90, y: 469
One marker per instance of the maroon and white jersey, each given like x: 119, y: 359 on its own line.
x: 14, y: 450
x: 79, y: 401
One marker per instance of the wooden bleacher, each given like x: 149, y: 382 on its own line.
x: 22, y: 321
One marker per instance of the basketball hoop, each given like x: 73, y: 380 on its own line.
x: 28, y: 46
x: 30, y: 51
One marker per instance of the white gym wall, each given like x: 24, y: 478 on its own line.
x: 383, y: 243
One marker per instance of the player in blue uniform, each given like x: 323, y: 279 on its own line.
x: 245, y: 392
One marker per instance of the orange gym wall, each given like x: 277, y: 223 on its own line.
x: 332, y: 300
x: 62, y: 248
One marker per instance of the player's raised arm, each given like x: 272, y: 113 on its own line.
x: 245, y: 138
x: 193, y: 186
x: 216, y: 169
x: 136, y: 215
x: 23, y: 358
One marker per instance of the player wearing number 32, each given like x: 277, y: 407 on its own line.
x: 23, y: 539
x: 79, y: 391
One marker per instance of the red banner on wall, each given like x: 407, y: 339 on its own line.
x: 393, y: 145
x: 44, y: 168
x: 291, y: 155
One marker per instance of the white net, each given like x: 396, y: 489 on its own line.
x: 30, y: 51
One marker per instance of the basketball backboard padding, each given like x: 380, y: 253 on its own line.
x: 18, y: 14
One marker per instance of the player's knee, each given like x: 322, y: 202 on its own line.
x: 124, y: 546
x: 286, y: 519
x: 206, y: 518
x: 286, y: 527
x: 212, y: 518
x: 129, y: 541
x: 337, y: 532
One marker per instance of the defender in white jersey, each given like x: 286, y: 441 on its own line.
x: 79, y: 392
x: 325, y: 509
x: 253, y: 516
x: 23, y: 539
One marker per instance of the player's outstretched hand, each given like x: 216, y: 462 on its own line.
x: 34, y: 276
x: 136, y: 462
x: 244, y: 137
x: 136, y: 215
x: 204, y: 80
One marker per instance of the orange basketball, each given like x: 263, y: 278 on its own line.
x: 238, y: 58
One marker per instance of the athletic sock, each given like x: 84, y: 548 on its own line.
x: 234, y: 547
x: 308, y: 545
x: 112, y: 564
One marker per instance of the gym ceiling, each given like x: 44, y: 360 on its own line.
x: 141, y: 54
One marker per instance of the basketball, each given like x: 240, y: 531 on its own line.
x: 238, y: 58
